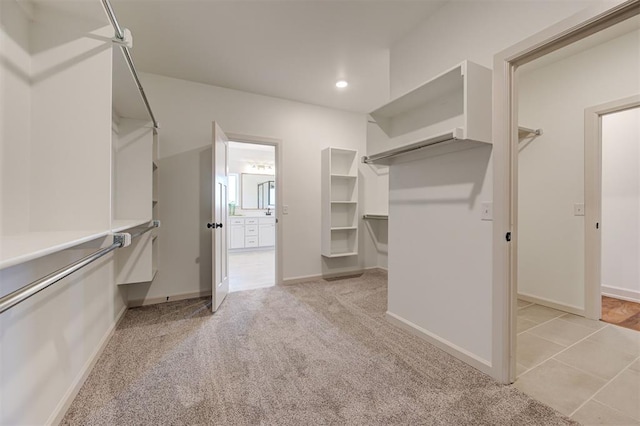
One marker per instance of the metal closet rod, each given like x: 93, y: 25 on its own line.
x: 154, y: 224
x: 127, y: 56
x: 23, y: 293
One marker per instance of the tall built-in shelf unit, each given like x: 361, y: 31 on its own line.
x: 75, y: 155
x: 135, y: 165
x: 339, y: 202
x: 448, y: 113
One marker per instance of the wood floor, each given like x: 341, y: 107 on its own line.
x: 621, y: 312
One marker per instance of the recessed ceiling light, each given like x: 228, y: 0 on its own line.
x: 341, y: 84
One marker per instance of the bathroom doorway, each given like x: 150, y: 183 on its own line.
x: 253, y: 214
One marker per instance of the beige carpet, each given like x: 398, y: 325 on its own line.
x: 307, y: 354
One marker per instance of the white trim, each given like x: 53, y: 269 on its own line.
x: 576, y: 310
x: 621, y: 293
x: 61, y: 409
x: 279, y: 157
x: 505, y: 139
x: 437, y: 341
x: 165, y: 299
x: 307, y: 278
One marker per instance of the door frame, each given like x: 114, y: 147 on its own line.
x: 505, y: 164
x: 593, y: 198
x: 278, y: 145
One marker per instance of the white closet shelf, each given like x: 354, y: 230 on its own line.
x: 344, y: 202
x: 343, y: 254
x: 451, y: 110
x: 343, y: 176
x: 22, y: 248
x: 124, y: 224
x: 344, y: 228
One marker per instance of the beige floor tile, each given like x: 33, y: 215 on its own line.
x: 583, y: 321
x: 523, y: 303
x: 561, y: 332
x: 596, y: 358
x: 532, y: 350
x: 539, y: 314
x: 620, y: 338
x: 524, y: 324
x: 622, y: 394
x: 520, y: 369
x: 559, y: 386
x: 594, y: 413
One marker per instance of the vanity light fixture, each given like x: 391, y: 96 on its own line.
x: 341, y: 84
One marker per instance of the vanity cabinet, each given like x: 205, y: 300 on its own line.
x: 252, y: 232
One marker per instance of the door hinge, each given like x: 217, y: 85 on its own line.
x: 508, y: 236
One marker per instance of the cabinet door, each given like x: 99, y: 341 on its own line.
x: 267, y: 235
x: 236, y: 237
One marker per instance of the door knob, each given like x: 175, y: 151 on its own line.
x: 214, y: 225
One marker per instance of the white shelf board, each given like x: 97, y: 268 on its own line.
x: 344, y: 202
x: 430, y: 91
x: 344, y: 228
x: 349, y: 253
x: 343, y: 176
x: 124, y: 224
x: 25, y: 247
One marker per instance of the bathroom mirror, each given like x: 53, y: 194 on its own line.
x: 257, y: 191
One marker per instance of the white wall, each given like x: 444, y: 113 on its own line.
x: 621, y: 204
x: 15, y: 116
x: 551, y: 168
x: 473, y: 30
x: 186, y: 110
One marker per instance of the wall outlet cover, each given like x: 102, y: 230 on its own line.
x: 487, y: 211
x: 578, y: 209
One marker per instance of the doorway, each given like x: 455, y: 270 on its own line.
x: 612, y: 140
x: 253, y: 194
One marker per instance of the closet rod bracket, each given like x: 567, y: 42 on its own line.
x: 126, y: 41
x: 122, y: 238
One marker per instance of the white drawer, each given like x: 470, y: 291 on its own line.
x: 251, y: 221
x: 251, y: 241
x: 236, y: 221
x: 264, y: 220
x: 251, y: 230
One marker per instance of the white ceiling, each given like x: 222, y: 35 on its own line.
x: 293, y: 49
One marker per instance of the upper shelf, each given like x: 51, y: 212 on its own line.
x: 25, y: 247
x: 454, y: 106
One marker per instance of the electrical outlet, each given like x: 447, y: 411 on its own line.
x: 285, y: 209
x: 578, y: 209
x: 487, y: 211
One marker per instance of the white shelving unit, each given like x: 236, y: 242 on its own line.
x: 448, y: 113
x: 339, y: 202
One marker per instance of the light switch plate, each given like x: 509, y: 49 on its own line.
x: 285, y: 209
x: 487, y: 211
x: 578, y: 209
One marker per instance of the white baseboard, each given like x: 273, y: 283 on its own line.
x: 437, y: 341
x: 552, y: 304
x: 307, y: 278
x: 164, y: 299
x: 64, y: 404
x: 620, y: 293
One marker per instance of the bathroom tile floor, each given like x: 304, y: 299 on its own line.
x: 588, y: 370
x: 251, y: 269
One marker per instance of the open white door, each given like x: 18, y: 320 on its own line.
x: 220, y: 231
